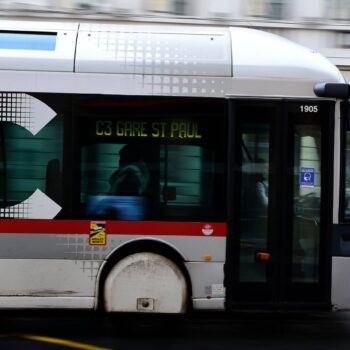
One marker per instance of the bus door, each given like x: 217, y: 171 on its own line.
x: 280, y: 171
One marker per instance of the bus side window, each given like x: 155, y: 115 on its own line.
x: 187, y: 180
x: 30, y: 162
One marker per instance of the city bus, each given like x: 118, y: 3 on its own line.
x: 161, y: 168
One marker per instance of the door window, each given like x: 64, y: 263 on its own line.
x: 307, y: 203
x: 254, y: 200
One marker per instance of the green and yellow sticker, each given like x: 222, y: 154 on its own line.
x: 97, y: 233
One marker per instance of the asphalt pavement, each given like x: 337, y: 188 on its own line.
x: 97, y: 331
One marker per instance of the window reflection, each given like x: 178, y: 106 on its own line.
x: 307, y: 200
x: 254, y: 200
x: 150, y: 167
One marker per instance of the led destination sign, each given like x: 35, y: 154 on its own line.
x: 149, y: 129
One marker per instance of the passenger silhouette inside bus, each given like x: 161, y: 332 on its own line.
x: 261, y: 183
x: 132, y: 177
x: 255, y: 188
x: 126, y: 198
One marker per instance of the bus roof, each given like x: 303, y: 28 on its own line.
x: 236, y: 56
x: 260, y: 54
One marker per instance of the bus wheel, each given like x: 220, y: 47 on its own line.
x: 146, y: 282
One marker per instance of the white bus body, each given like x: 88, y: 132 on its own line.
x: 49, y: 263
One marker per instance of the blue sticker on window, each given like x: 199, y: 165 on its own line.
x: 307, y: 177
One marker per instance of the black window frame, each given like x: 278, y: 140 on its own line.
x: 76, y: 212
x: 344, y: 127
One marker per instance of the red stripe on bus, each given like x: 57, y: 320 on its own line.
x: 216, y: 229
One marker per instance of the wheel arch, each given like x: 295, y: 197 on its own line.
x: 143, y: 245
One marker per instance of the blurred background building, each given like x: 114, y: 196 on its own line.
x: 323, y: 25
